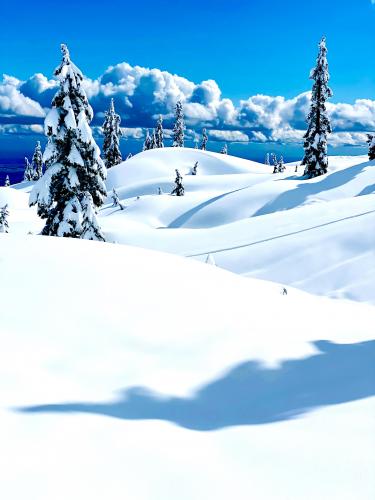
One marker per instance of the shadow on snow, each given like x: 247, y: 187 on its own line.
x: 249, y: 393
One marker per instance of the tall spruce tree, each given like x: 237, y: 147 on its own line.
x: 112, y: 133
x: 147, y: 141
x: 4, y: 214
x: 179, y: 126
x: 37, y: 162
x: 371, y: 146
x: 315, y: 144
x: 204, y: 140
x: 159, y: 133
x: 72, y: 188
x: 28, y: 174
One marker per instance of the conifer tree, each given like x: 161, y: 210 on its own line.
x: 72, y: 188
x: 159, y: 133
x: 224, y: 149
x: 116, y: 199
x: 160, y: 191
x: 7, y: 181
x: 196, y: 143
x: 153, y: 143
x: 179, y: 126
x: 129, y: 156
x: 267, y: 160
x: 179, y: 188
x: 29, y: 172
x: 204, y: 140
x: 315, y: 144
x: 37, y: 162
x: 147, y: 141
x: 195, y: 168
x: 112, y: 133
x: 280, y: 165
x: 371, y: 147
x: 4, y: 214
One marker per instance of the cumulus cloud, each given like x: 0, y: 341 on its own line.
x: 141, y: 94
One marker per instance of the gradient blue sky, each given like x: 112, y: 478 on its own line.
x: 248, y: 47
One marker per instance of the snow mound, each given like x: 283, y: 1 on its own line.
x: 13, y: 198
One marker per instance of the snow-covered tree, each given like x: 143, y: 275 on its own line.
x: 29, y: 171
x: 4, y: 214
x: 116, y: 199
x: 129, y: 156
x: 153, y: 141
x: 210, y: 260
x: 112, y: 133
x: 371, y: 147
x: 160, y: 191
x: 267, y: 160
x: 224, y: 149
x: 280, y: 165
x: 315, y: 144
x: 159, y: 133
x: 178, y: 190
x: 196, y: 143
x: 179, y: 126
x: 37, y: 162
x: 72, y: 187
x: 147, y: 141
x: 204, y: 140
x: 194, y: 169
x: 7, y: 181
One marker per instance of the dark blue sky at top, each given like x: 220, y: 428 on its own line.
x: 248, y: 47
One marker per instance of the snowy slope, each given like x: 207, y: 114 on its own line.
x: 154, y: 376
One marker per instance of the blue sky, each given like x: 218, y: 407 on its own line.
x: 246, y: 47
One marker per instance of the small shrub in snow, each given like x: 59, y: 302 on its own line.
x: 315, y: 145
x: 112, y: 133
x: 4, y: 214
x: 179, y: 189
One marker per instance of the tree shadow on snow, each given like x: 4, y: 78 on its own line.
x: 249, y: 393
x: 297, y: 196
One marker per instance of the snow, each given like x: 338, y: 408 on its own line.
x: 172, y: 364
x: 149, y: 381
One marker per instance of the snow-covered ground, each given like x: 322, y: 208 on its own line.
x: 127, y: 372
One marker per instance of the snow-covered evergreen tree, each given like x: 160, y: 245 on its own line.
x: 29, y: 171
x: 315, y: 144
x: 196, y: 143
x: 267, y: 160
x: 204, y: 140
x: 195, y: 168
x: 72, y: 188
x: 280, y: 165
x: 7, y: 181
x: 37, y: 162
x: 224, y: 149
x: 129, y: 156
x: 4, y: 214
x: 371, y: 146
x: 159, y: 133
x: 179, y: 188
x: 153, y: 141
x: 147, y: 141
x: 179, y: 126
x: 160, y: 191
x: 112, y: 133
x: 116, y: 199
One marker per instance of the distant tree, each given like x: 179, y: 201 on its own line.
x: 210, y: 260
x: 29, y: 171
x: 153, y: 143
x: 196, y: 143
x: 315, y: 145
x: 179, y: 126
x: 267, y: 160
x: 72, y: 187
x: 7, y: 181
x: 112, y: 133
x: 371, y: 148
x: 194, y: 169
x: 296, y: 169
x: 280, y: 165
x: 178, y: 190
x: 147, y: 141
x: 37, y: 162
x: 4, y: 214
x: 224, y: 149
x: 275, y: 163
x: 116, y: 199
x: 129, y: 156
x: 159, y: 133
x: 204, y: 140
x: 160, y: 191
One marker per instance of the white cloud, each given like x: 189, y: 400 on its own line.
x: 141, y: 94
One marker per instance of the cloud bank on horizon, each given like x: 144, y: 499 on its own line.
x: 141, y: 94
